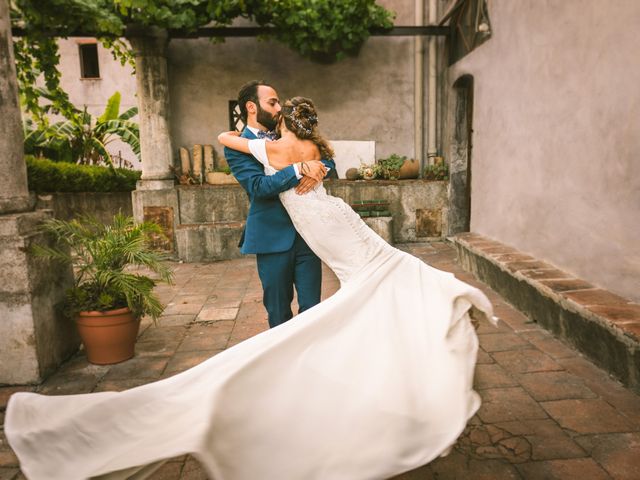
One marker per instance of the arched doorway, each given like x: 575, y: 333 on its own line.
x: 461, y: 155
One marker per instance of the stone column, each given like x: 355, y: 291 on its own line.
x: 150, y: 50
x: 34, y: 337
x: 155, y: 197
x: 14, y: 194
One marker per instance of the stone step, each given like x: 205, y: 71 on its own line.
x: 208, y: 242
x: 603, y: 326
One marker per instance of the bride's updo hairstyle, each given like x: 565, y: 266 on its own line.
x: 300, y: 116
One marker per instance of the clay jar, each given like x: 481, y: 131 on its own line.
x: 410, y: 169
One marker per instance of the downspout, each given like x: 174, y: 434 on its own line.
x: 418, y: 82
x: 432, y: 149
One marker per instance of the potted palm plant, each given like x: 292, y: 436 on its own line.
x: 109, y: 295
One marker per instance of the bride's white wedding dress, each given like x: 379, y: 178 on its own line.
x: 372, y: 382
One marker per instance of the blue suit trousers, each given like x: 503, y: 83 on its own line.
x: 279, y: 272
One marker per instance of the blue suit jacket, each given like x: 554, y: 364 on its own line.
x: 268, y: 228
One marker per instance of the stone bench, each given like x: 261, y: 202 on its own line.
x: 603, y: 326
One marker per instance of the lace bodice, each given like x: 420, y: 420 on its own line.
x: 330, y: 227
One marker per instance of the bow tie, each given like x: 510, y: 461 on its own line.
x: 267, y: 135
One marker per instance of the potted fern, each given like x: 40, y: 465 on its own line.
x: 108, y: 297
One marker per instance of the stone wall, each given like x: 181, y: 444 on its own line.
x: 211, y: 218
x: 368, y: 97
x: 103, y: 206
x: 556, y: 117
x: 418, y: 207
x: 35, y: 337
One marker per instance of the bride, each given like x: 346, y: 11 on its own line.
x: 372, y: 382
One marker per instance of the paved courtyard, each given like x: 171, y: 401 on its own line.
x: 547, y: 412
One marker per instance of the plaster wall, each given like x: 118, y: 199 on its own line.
x: 557, y: 133
x: 94, y: 92
x: 369, y: 97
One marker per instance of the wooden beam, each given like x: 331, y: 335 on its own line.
x: 233, y: 32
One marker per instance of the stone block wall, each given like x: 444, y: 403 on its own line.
x: 102, y: 205
x: 35, y: 337
x: 204, y: 222
x: 211, y: 217
x: 417, y: 206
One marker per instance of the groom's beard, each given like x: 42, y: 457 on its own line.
x: 265, y: 119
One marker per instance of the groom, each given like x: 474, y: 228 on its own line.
x: 284, y: 259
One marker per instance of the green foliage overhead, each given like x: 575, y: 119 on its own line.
x: 322, y: 30
x: 102, y: 257
x: 326, y: 24
x: 45, y: 176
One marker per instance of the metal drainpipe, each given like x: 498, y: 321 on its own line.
x: 432, y: 149
x: 418, y: 82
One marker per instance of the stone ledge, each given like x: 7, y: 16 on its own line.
x: 603, y: 326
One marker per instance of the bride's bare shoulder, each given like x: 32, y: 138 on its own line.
x: 311, y: 150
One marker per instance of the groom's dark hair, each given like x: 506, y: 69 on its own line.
x: 249, y: 93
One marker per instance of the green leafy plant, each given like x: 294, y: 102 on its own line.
x: 102, y: 257
x: 46, y: 176
x: 83, y: 138
x: 438, y: 171
x: 322, y: 30
x: 390, y: 166
x: 219, y: 169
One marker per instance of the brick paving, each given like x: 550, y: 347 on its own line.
x: 547, y: 412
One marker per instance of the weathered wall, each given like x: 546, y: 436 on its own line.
x: 35, y: 337
x: 369, y: 97
x: 408, y: 199
x: 102, y: 205
x: 365, y: 98
x: 94, y: 92
x: 557, y: 134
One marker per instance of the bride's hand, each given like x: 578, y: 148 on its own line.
x: 314, y: 169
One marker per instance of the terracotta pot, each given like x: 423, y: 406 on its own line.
x: 110, y: 336
x: 220, y: 178
x: 410, y: 169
